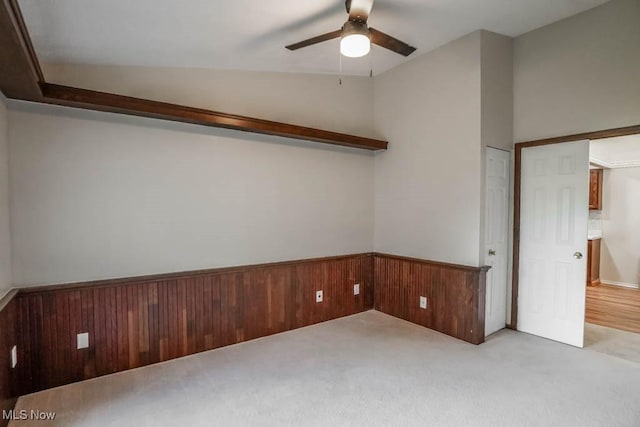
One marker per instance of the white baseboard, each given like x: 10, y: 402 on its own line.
x: 624, y: 285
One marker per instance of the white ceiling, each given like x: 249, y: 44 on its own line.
x: 251, y: 34
x: 619, y: 152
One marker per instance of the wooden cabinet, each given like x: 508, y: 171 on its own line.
x: 595, y: 189
x: 593, y: 263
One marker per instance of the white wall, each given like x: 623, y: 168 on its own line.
x: 100, y: 195
x: 5, y: 231
x: 428, y: 186
x: 579, y: 74
x: 620, y: 248
x: 303, y: 99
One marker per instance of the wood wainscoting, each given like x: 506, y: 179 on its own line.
x: 134, y: 322
x: 8, y: 338
x: 139, y: 321
x: 455, y: 294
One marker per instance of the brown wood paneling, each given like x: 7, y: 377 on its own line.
x: 9, y: 378
x: 455, y: 294
x: 614, y: 307
x: 135, y: 322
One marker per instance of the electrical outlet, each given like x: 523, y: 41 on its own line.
x: 423, y: 302
x: 356, y: 289
x: 14, y: 356
x: 83, y: 340
x: 318, y: 296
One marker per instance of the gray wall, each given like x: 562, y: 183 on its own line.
x: 5, y: 230
x: 579, y: 74
x: 97, y: 196
x: 428, y: 187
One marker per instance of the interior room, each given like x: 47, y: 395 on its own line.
x: 319, y: 213
x: 613, y: 272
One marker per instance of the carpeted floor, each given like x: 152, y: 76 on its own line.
x: 614, y: 342
x: 370, y: 370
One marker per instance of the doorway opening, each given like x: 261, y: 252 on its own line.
x: 550, y: 246
x: 613, y: 275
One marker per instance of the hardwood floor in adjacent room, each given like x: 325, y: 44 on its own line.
x: 614, y: 306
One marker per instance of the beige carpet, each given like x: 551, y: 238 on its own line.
x: 614, y: 342
x: 365, y: 370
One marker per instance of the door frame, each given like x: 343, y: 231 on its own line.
x: 517, y: 186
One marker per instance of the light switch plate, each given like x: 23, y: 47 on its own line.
x: 423, y: 302
x: 318, y: 296
x: 14, y: 356
x: 356, y: 289
x: 83, y: 340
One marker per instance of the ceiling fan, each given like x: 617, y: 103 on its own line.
x: 356, y: 37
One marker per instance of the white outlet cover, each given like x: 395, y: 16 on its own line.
x: 318, y: 296
x: 423, y: 302
x: 83, y: 340
x: 14, y: 356
x: 356, y: 289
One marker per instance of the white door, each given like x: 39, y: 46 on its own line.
x: 554, y: 213
x: 496, y: 238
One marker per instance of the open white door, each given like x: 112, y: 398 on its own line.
x: 496, y: 238
x: 554, y: 214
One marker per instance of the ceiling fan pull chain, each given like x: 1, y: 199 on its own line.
x: 340, y: 74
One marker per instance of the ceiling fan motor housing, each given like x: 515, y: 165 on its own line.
x: 355, y: 27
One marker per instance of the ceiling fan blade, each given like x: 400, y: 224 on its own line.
x: 316, y: 39
x: 391, y: 43
x: 359, y: 10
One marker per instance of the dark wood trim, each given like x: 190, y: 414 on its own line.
x: 7, y: 298
x: 124, y: 281
x: 515, y: 267
x: 434, y: 263
x: 20, y: 73
x: 25, y: 39
x: 21, y: 78
x: 609, y: 133
x: 108, y: 102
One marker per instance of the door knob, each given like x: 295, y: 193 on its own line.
x: 577, y: 255
x: 492, y: 252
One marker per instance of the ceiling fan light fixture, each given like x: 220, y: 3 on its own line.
x: 355, y: 40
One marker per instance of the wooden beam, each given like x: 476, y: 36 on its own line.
x: 21, y: 78
x: 21, y: 75
x: 102, y: 101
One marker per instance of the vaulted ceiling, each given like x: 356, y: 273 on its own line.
x: 251, y: 34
